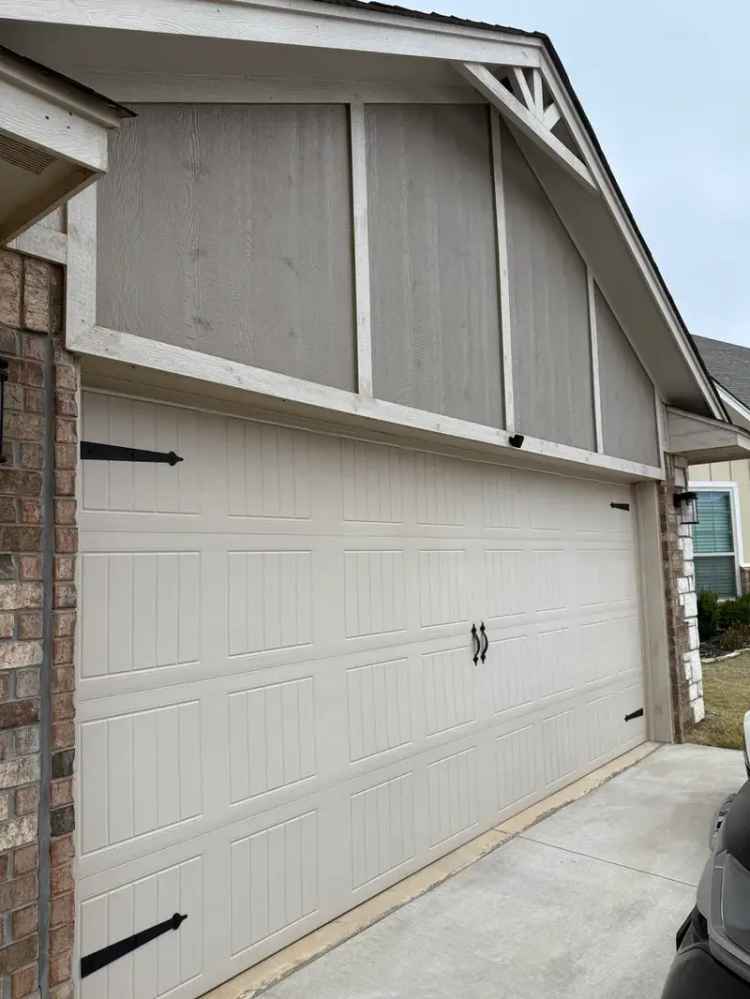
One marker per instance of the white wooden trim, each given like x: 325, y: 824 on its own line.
x: 361, y: 247
x: 38, y: 120
x: 307, y: 22
x: 655, y: 643
x: 598, y: 424
x: 536, y: 81
x: 661, y: 432
x: 511, y: 108
x: 551, y: 116
x: 503, y: 275
x: 80, y: 293
x: 142, y: 351
x: 734, y: 405
x: 737, y: 552
x: 522, y: 87
x: 633, y: 241
x: 39, y: 241
x: 133, y: 88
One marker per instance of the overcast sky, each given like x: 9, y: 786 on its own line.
x: 666, y: 85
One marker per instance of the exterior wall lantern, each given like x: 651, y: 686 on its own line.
x: 687, y: 505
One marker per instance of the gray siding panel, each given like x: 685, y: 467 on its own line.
x: 433, y: 260
x: 228, y: 229
x: 627, y: 393
x: 552, y: 381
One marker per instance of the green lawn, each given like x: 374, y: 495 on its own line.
x: 726, y: 692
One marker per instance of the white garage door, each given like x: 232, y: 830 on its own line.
x: 279, y: 714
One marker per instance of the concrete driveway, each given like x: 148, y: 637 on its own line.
x: 581, y: 905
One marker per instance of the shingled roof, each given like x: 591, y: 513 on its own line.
x: 728, y: 364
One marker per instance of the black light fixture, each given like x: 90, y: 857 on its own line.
x: 3, y: 380
x: 687, y: 505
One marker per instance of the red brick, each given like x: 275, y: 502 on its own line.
x: 64, y: 565
x: 24, y: 982
x: 64, y: 624
x: 66, y: 540
x: 11, y: 271
x: 62, y: 707
x: 63, y: 734
x: 30, y: 625
x: 27, y: 800
x: 25, y: 373
x: 26, y: 859
x: 20, y: 596
x: 66, y: 404
x: 62, y: 910
x: 27, y: 683
x: 4, y: 866
x: 61, y: 879
x: 61, y: 792
x: 24, y: 426
x: 21, y: 891
x: 65, y: 483
x: 66, y: 431
x: 61, y: 939
x: 8, y: 510
x: 65, y: 511
x: 66, y: 378
x: 61, y: 850
x: 66, y: 456
x: 38, y: 296
x: 31, y: 456
x: 64, y: 595
x: 17, y: 482
x: 63, y: 678
x: 30, y: 511
x: 7, y: 625
x: 17, y: 955
x: 62, y: 650
x: 24, y: 921
x: 59, y: 968
x: 20, y: 539
x: 30, y: 567
x: 16, y: 713
x: 15, y: 655
x: 34, y: 347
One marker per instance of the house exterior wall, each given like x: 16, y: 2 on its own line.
x: 739, y: 473
x: 37, y: 621
x: 681, y: 604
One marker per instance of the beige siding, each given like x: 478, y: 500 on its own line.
x: 731, y: 471
x: 435, y: 307
x: 627, y: 393
x: 552, y: 383
x: 228, y: 229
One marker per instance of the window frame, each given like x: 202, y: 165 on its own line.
x: 732, y: 490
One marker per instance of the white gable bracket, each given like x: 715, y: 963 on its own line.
x: 530, y: 117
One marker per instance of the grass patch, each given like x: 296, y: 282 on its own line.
x: 726, y: 693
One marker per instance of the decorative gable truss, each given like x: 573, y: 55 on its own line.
x: 522, y: 96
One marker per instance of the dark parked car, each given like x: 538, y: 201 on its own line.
x: 713, y: 944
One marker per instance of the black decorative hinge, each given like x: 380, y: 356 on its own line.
x: 634, y: 714
x: 113, y: 452
x: 620, y: 506
x: 101, y: 958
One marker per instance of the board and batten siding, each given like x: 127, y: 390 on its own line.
x: 552, y: 385
x: 228, y: 229
x: 433, y: 260
x: 367, y: 249
x: 629, y: 427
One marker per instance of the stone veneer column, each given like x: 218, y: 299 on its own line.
x: 682, y: 606
x: 38, y: 544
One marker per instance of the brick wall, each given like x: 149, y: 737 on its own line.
x: 38, y: 542
x: 682, y: 608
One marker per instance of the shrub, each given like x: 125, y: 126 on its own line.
x: 734, y: 612
x: 736, y: 636
x: 708, y: 615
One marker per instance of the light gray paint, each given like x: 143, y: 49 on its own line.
x: 433, y: 260
x: 228, y: 229
x: 552, y: 382
x: 627, y: 393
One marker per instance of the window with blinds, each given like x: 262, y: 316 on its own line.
x: 713, y: 544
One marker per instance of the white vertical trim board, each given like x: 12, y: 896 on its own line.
x: 361, y: 248
x: 595, y: 362
x: 503, y: 276
x: 80, y: 295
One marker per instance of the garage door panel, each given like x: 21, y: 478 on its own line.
x: 276, y: 677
